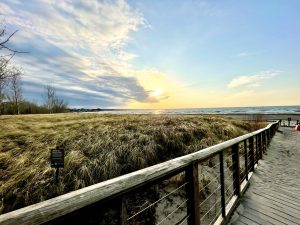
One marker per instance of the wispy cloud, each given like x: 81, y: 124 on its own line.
x: 78, y: 47
x: 243, y: 54
x: 246, y: 54
x: 253, y: 80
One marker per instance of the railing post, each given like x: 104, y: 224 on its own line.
x: 268, y: 136
x: 251, y: 152
x: 192, y: 190
x: 246, y: 160
x: 260, y: 145
x: 270, y: 131
x: 265, y: 141
x: 123, y: 212
x: 236, y: 169
x: 256, y: 149
x: 222, y: 180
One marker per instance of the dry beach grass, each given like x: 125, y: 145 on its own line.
x: 97, y: 147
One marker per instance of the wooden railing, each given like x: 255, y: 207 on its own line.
x: 287, y: 122
x: 196, y: 200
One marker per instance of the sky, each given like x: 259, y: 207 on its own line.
x: 158, y: 54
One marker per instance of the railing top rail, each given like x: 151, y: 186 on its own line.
x: 67, y: 203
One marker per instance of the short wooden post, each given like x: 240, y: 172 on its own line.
x: 56, y: 175
x: 268, y: 136
x: 280, y: 121
x: 222, y: 180
x: 246, y: 160
x: 251, y: 153
x: 236, y: 169
x: 123, y: 212
x: 297, y: 122
x: 192, y: 191
x: 289, y: 121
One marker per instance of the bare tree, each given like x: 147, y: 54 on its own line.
x: 49, y: 98
x: 5, y: 38
x: 52, y: 102
x: 15, y: 89
x: 6, y: 54
x: 4, y: 77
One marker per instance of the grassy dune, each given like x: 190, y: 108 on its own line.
x: 97, y: 147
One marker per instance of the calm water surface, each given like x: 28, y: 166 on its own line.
x: 229, y: 110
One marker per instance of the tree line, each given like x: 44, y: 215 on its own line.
x: 12, y: 100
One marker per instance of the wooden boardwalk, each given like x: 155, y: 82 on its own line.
x: 273, y: 196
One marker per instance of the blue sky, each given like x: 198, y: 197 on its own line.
x: 159, y: 54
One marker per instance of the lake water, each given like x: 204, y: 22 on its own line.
x: 228, y: 110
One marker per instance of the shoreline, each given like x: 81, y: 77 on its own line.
x: 241, y: 116
x: 262, y: 117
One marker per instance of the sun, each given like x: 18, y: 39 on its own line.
x: 156, y: 92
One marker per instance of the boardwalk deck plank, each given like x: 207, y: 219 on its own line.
x: 283, y: 202
x: 276, y: 205
x: 279, y: 198
x: 245, y: 220
x: 294, y: 194
x: 280, y: 191
x: 264, y: 216
x: 284, y: 195
x: 254, y: 217
x: 270, y: 211
x: 279, y: 208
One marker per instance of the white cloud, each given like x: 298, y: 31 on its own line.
x: 253, y: 80
x: 75, y: 42
x: 243, y: 54
x: 88, y: 25
x: 246, y: 54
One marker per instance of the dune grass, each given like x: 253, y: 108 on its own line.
x: 97, y: 147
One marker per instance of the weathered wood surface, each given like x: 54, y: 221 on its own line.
x: 274, y: 193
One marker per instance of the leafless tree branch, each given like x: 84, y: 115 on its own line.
x: 7, y: 39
